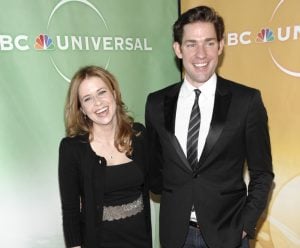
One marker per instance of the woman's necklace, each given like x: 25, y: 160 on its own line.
x: 111, y: 153
x: 105, y: 149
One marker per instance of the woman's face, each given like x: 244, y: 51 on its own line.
x: 97, y: 101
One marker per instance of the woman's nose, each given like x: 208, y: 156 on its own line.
x: 97, y: 100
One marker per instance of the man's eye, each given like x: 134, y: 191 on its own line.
x: 191, y: 45
x: 211, y: 43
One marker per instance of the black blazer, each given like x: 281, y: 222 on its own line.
x: 238, y: 133
x: 81, y: 176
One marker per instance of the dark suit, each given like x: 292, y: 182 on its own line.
x: 238, y: 132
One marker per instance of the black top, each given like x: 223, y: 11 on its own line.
x: 123, y: 183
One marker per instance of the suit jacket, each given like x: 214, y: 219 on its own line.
x: 81, y: 181
x: 238, y: 133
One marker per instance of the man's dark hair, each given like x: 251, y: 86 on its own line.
x: 198, y: 14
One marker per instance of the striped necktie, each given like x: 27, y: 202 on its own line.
x: 193, y: 133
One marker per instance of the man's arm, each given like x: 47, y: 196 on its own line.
x: 259, y: 160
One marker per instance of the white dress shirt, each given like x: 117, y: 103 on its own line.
x: 185, y: 103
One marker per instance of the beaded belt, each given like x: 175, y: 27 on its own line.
x: 123, y: 211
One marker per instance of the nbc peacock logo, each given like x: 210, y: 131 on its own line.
x: 265, y: 35
x: 43, y: 42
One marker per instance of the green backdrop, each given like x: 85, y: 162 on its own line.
x: 42, y: 43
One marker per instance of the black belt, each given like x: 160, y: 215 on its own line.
x: 194, y: 224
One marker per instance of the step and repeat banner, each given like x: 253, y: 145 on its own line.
x: 42, y: 44
x: 263, y: 51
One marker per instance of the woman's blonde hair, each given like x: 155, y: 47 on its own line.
x: 78, y: 124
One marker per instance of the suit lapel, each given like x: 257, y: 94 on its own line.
x: 170, y: 105
x: 221, y: 107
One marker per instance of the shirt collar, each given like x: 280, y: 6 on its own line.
x: 207, y: 89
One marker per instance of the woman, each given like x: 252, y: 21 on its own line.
x: 102, y: 167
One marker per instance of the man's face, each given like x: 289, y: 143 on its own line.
x: 199, y: 51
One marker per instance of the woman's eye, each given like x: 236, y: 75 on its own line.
x: 86, y: 99
x: 101, y: 92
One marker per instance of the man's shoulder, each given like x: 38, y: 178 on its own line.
x: 166, y: 90
x: 236, y: 86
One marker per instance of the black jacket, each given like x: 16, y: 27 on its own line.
x: 81, y: 180
x: 238, y: 133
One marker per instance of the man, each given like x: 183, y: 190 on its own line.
x: 201, y: 133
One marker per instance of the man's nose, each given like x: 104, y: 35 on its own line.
x: 200, y: 51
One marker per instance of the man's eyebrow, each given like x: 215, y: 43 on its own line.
x: 190, y: 41
x: 206, y: 39
x: 210, y: 39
